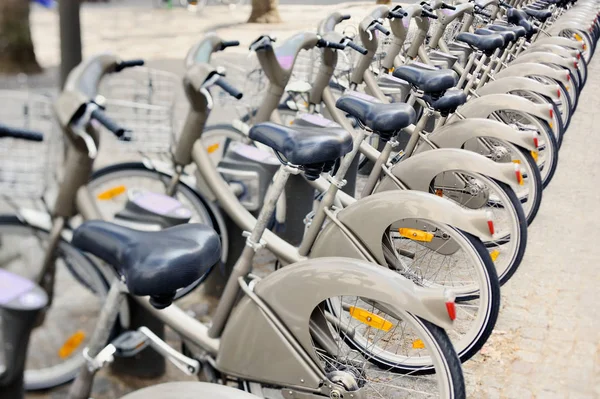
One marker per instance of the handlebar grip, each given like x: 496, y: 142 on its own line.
x: 345, y: 17
x: 381, y: 29
x: 448, y: 6
x: 397, y: 14
x: 99, y: 116
x: 18, y: 133
x: 226, y: 86
x: 336, y: 46
x: 128, y: 64
x: 229, y: 43
x: 356, y: 47
x: 425, y: 13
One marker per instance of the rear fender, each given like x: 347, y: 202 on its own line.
x: 418, y: 171
x: 518, y: 83
x: 292, y: 294
x: 483, y: 107
x: 559, y: 41
x: 456, y: 134
x: 369, y: 218
x: 554, y: 49
x: 533, y: 69
x: 547, y: 58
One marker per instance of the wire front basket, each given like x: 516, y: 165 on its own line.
x: 27, y: 168
x: 143, y: 101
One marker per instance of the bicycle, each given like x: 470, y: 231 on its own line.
x: 289, y: 316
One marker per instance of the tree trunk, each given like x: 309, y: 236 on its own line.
x: 265, y: 12
x: 16, y: 47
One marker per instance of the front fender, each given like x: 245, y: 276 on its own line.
x: 517, y: 83
x: 294, y: 292
x: 483, y: 107
x: 533, y: 69
x: 456, y: 134
x: 418, y: 171
x: 369, y: 218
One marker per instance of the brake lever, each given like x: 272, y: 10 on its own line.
x: 78, y: 128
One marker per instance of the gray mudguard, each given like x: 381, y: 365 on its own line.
x: 546, y: 58
x: 418, y: 171
x: 552, y: 48
x: 456, y: 134
x: 292, y: 294
x: 371, y: 217
x: 483, y: 107
x: 559, y: 41
x: 533, y: 69
x: 559, y: 26
x: 519, y: 83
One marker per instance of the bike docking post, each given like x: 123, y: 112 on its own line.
x: 21, y: 302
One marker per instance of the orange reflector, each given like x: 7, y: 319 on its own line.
x: 451, y: 309
x: 111, y: 193
x: 418, y: 344
x: 576, y: 64
x: 212, y: 148
x: 71, y: 344
x: 416, y: 235
x: 490, y: 222
x: 439, y: 192
x: 494, y: 255
x: 370, y: 319
x: 577, y: 37
x: 551, y: 111
x: 536, y: 141
x: 517, y: 161
x: 558, y: 92
x: 578, y: 56
x: 391, y: 70
x: 534, y: 155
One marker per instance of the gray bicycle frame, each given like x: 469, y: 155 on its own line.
x: 190, y: 148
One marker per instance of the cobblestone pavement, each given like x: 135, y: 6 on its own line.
x: 547, y: 340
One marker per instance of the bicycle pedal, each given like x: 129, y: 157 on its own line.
x: 130, y: 343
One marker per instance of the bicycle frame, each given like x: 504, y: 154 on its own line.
x: 430, y: 206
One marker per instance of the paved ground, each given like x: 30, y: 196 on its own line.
x: 547, y: 340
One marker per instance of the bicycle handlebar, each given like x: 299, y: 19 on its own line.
x: 229, y: 43
x: 356, y: 47
x: 399, y: 14
x: 332, y: 45
x: 484, y: 13
x: 381, y: 29
x: 425, y: 13
x: 99, y: 116
x: 128, y: 64
x: 345, y: 17
x: 226, y: 86
x: 19, y: 133
x: 448, y: 6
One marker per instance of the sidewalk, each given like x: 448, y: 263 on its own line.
x: 547, y: 340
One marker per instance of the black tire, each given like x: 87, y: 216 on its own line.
x: 554, y: 148
x: 60, y: 374
x: 537, y: 178
x: 210, y: 210
x: 510, y: 271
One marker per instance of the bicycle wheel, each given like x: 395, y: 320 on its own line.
x: 547, y: 154
x: 54, y: 354
x: 475, y: 191
x: 432, y: 254
x: 558, y: 127
x: 356, y: 354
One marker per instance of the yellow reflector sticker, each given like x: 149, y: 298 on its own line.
x: 71, y: 344
x: 418, y: 344
x: 416, y: 235
x: 212, y: 148
x: 391, y: 70
x: 551, y: 125
x: 370, y: 319
x: 577, y: 37
x: 517, y: 161
x: 494, y: 255
x: 111, y: 193
x: 534, y: 155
